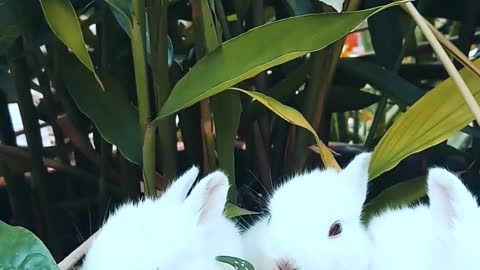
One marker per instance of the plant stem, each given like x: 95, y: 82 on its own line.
x: 21, y: 80
x: 143, y: 94
x: 157, y: 18
x: 148, y: 162
x: 206, y: 40
x: 442, y: 55
x: 17, y: 187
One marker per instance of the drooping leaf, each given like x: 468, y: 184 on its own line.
x: 231, y: 211
x: 245, y: 56
x: 401, y: 194
x: 294, y: 117
x: 435, y: 117
x: 62, y: 19
x: 22, y: 250
x: 236, y: 263
x: 111, y: 111
x: 280, y: 91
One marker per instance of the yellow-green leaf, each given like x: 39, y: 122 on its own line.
x: 435, y: 117
x: 294, y: 117
x: 63, y: 21
x: 232, y: 210
x: 245, y: 56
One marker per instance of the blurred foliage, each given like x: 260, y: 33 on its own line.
x: 134, y: 93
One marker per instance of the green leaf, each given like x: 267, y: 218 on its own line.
x: 111, y: 111
x: 236, y: 263
x: 63, y: 21
x: 226, y: 110
x: 386, y: 33
x: 435, y: 117
x: 294, y: 117
x: 231, y: 211
x: 245, y: 56
x: 22, y: 250
x: 401, y: 194
x: 357, y: 99
x: 387, y: 82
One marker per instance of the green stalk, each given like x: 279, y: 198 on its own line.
x: 143, y: 94
x: 206, y: 40
x: 157, y: 19
x: 21, y: 80
x: 149, y: 163
x: 17, y: 187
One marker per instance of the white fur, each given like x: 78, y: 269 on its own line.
x: 170, y: 232
x: 441, y: 236
x: 301, y: 213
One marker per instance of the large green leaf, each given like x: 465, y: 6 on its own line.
x: 63, y: 21
x: 246, y: 55
x: 401, y: 194
x: 111, y: 111
x: 439, y: 114
x: 22, y: 250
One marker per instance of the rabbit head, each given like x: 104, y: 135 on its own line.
x: 172, y: 232
x: 314, y: 222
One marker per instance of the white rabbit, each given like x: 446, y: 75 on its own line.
x: 172, y: 232
x: 314, y: 222
x: 442, y: 236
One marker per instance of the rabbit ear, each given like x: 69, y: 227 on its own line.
x: 178, y: 190
x: 450, y: 200
x: 209, y: 196
x: 357, y: 173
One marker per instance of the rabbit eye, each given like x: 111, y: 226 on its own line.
x: 335, y: 229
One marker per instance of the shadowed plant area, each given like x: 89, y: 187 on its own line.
x: 104, y: 101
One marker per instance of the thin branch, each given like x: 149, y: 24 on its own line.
x: 443, y: 56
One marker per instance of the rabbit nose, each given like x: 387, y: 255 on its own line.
x: 286, y: 264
